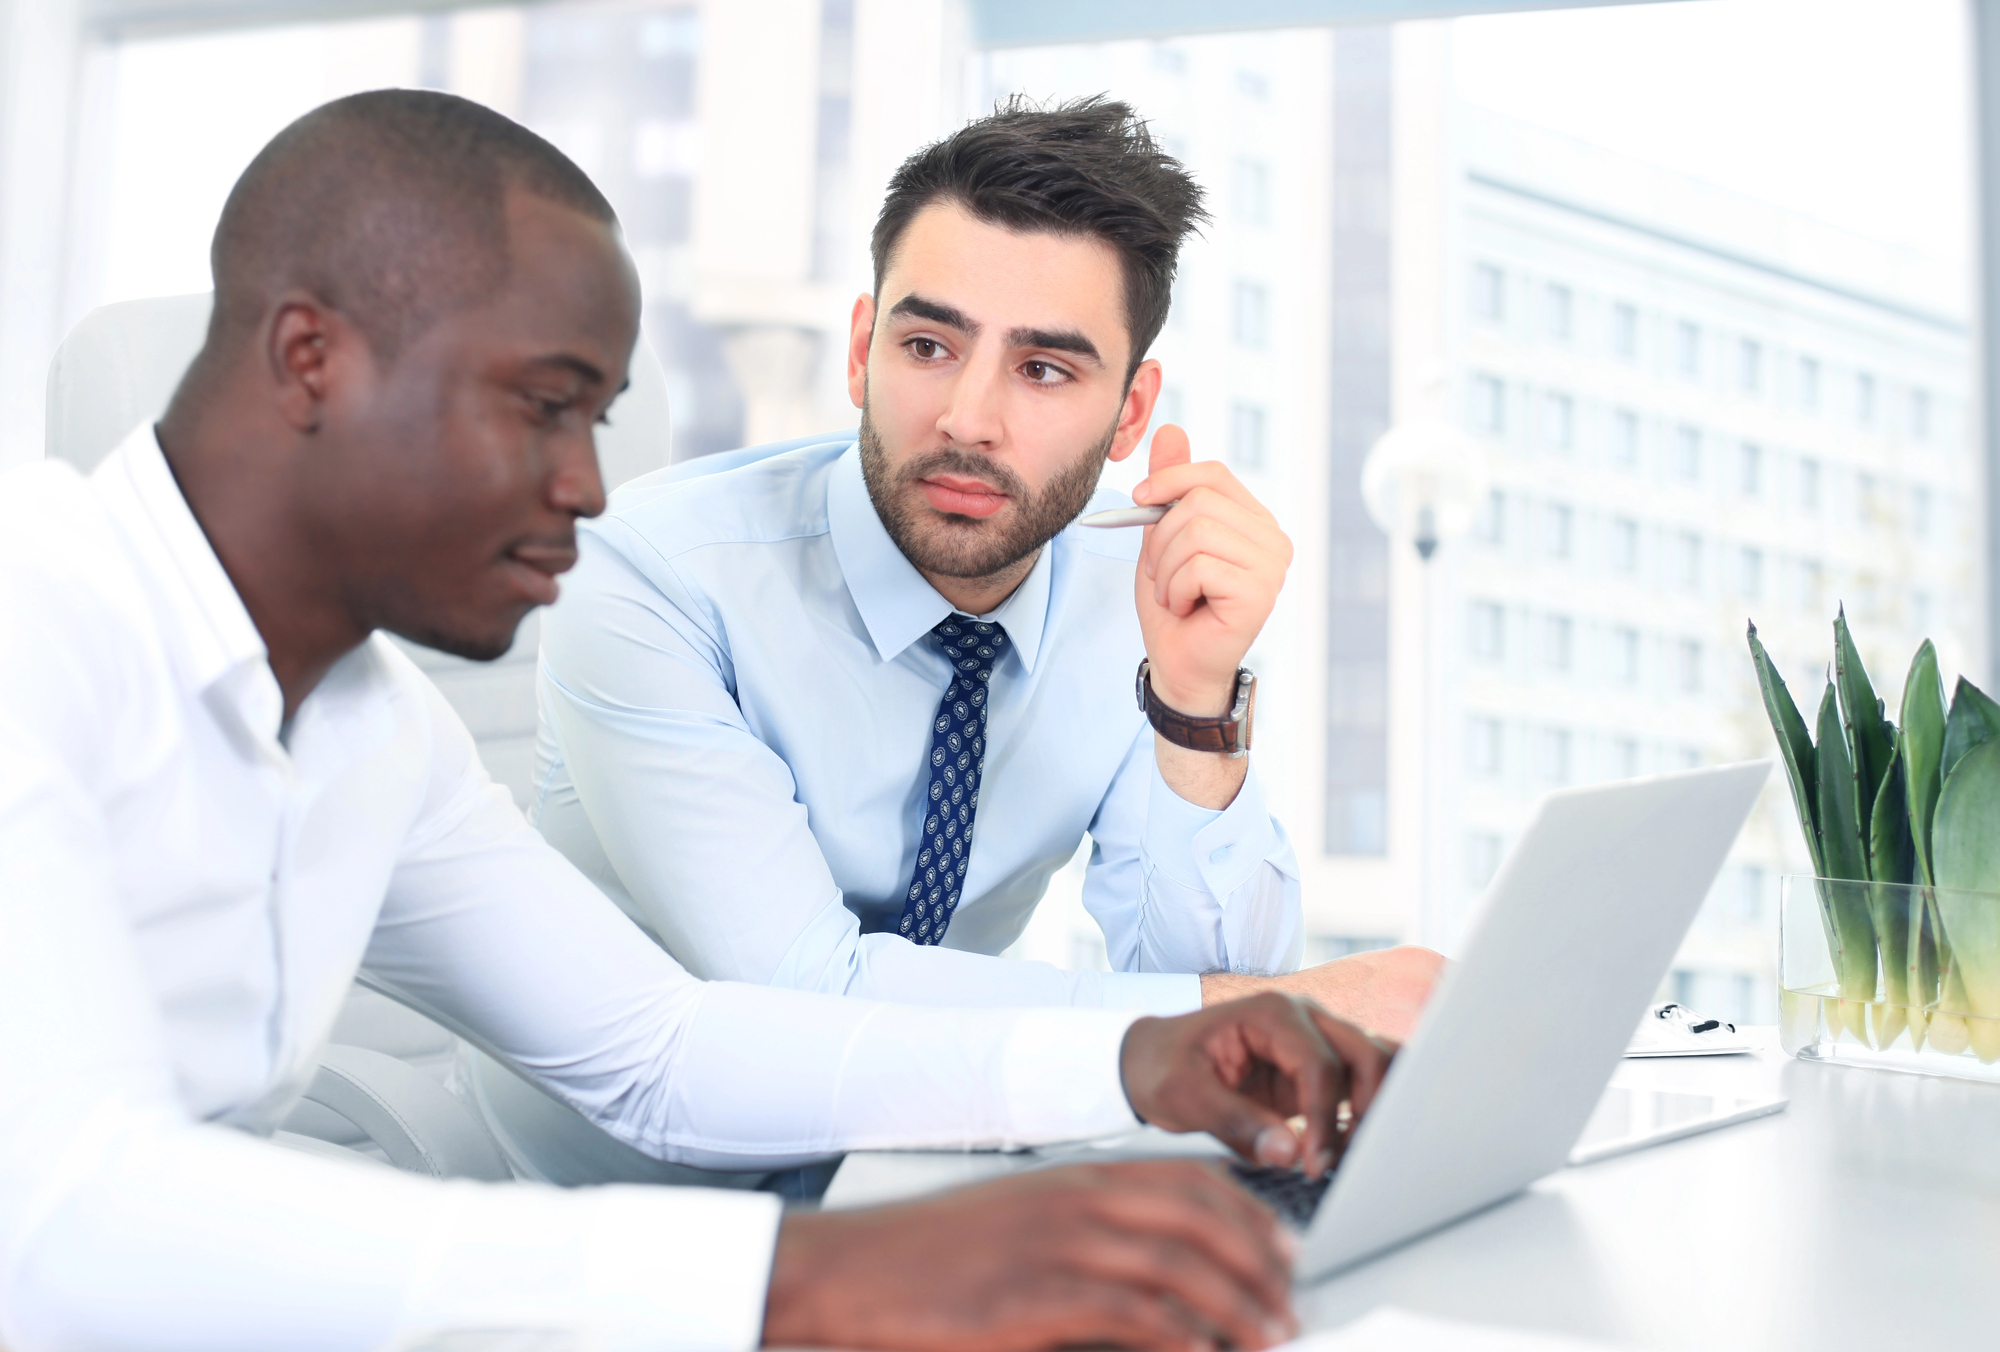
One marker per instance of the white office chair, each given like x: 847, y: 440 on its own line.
x: 379, y: 1092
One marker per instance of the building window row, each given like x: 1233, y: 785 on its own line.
x: 1550, y: 644
x: 1748, y: 359
x: 1539, y: 756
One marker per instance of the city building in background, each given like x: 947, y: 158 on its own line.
x: 1697, y: 409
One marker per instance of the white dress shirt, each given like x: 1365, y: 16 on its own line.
x: 736, y: 697
x: 185, y: 897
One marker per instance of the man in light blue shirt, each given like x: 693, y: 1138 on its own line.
x: 830, y: 714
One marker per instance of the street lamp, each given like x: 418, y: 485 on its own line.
x: 1423, y: 482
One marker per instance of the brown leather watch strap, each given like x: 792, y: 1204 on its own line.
x: 1228, y: 735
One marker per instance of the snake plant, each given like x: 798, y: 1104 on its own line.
x: 1886, y: 808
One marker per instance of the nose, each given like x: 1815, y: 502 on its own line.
x: 972, y: 416
x: 577, y: 484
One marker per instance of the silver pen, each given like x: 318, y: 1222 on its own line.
x: 1125, y: 516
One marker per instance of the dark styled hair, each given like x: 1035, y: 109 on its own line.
x: 1083, y: 167
x: 390, y: 206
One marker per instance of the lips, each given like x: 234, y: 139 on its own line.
x: 957, y: 496
x: 535, y: 568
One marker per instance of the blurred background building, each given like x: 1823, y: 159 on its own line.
x: 1713, y: 378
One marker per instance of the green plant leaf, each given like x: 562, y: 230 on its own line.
x: 1869, y: 740
x: 1851, y: 931
x: 1966, y: 847
x: 1891, y: 860
x: 1973, y: 719
x: 1891, y: 857
x: 1920, y: 746
x: 1794, y: 744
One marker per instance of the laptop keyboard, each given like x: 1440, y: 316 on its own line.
x: 1290, y: 1193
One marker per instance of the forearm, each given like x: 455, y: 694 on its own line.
x: 144, y: 1233
x: 834, y: 1075
x: 1219, y: 890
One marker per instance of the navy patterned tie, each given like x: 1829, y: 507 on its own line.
x: 958, y: 753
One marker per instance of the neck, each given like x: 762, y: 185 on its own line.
x: 978, y: 595
x: 232, y: 474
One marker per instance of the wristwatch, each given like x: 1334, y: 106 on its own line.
x: 1228, y: 735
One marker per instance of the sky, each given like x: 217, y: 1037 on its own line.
x: 1857, y: 112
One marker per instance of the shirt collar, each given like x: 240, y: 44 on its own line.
x: 216, y: 634
x: 897, y: 605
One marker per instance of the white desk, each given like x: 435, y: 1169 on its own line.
x: 1864, y: 1217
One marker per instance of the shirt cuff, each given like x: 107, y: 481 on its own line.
x: 1200, y: 847
x: 1063, y: 1075
x: 1164, y: 994
x: 639, y: 1267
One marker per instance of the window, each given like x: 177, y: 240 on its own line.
x: 1252, y: 85
x: 1489, y: 293
x: 1624, y: 331
x: 1625, y: 439
x: 1864, y: 399
x: 1558, y: 531
x: 1687, y: 349
x: 1250, y: 314
x: 1687, y: 561
x: 1750, y: 469
x: 1491, y: 527
x: 1559, y: 423
x: 1624, y: 758
x: 1867, y: 499
x: 1750, y: 573
x: 1625, y: 656
x: 1489, y: 405
x: 1552, y: 755
x: 1750, y: 366
x: 1920, y: 415
x: 1625, y: 545
x: 1482, y: 747
x: 1687, y: 666
x: 1246, y: 437
x: 1809, y: 384
x: 1558, y: 642
x: 1689, y: 757
x: 1169, y: 59
x: 1920, y: 512
x: 1489, y: 631
x: 1558, y: 311
x: 1809, y: 483
x: 1252, y: 194
x: 1920, y: 613
x: 1687, y: 453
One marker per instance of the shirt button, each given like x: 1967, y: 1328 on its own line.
x: 1219, y: 853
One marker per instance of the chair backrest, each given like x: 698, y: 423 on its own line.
x: 119, y: 366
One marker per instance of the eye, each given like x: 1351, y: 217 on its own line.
x: 1044, y: 373
x: 926, y: 349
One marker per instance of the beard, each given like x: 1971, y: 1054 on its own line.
x: 949, y: 545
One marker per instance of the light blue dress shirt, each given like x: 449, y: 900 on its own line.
x: 736, y: 693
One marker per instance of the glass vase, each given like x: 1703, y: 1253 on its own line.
x: 1890, y: 976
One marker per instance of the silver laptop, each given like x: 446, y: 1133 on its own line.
x: 1514, y: 1049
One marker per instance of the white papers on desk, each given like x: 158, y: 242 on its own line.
x: 1391, y: 1330
x: 1669, y: 1030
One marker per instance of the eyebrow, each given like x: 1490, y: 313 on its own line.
x: 578, y: 365
x: 1055, y: 340
x: 916, y: 307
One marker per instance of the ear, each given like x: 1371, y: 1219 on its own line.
x: 304, y: 343
x: 1140, y: 397
x: 860, y: 334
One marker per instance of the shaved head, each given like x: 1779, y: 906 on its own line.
x: 390, y: 207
